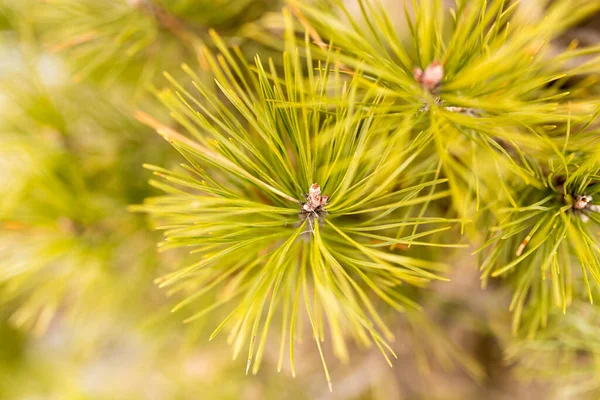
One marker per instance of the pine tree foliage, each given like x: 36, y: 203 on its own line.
x: 76, y: 267
x: 244, y: 212
x: 501, y: 95
x: 558, y: 257
x: 325, y: 164
x: 501, y: 100
x: 61, y: 199
x: 565, y: 352
x: 54, y: 217
x: 144, y: 37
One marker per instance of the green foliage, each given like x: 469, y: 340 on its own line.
x: 498, y: 120
x: 54, y: 216
x: 239, y: 204
x: 134, y: 40
x: 334, y: 160
x: 565, y: 352
x: 502, y: 94
x: 559, y: 249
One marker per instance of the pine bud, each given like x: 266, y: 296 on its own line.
x: 431, y: 78
x: 581, y: 202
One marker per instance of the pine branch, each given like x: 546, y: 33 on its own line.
x: 238, y: 203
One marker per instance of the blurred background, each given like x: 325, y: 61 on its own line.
x: 80, y: 315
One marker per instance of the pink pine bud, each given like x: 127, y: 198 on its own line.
x: 431, y: 78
